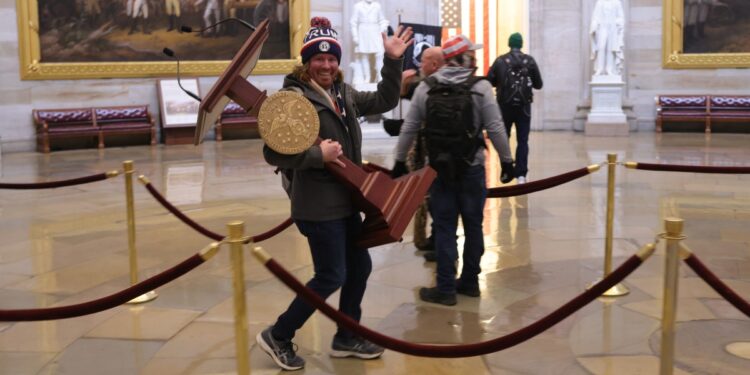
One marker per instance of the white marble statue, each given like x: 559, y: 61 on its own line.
x: 607, y: 38
x: 367, y: 23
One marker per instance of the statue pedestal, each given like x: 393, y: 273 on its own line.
x: 606, y: 117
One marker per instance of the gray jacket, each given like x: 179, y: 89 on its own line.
x: 315, y: 194
x: 486, y: 115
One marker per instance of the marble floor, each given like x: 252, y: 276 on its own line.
x: 69, y: 245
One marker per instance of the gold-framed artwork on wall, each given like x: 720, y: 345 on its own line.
x: 706, y: 34
x: 87, y: 39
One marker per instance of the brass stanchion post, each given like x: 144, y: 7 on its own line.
x: 127, y: 167
x: 619, y: 289
x: 236, y: 242
x: 673, y: 236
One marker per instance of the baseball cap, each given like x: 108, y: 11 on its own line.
x: 457, y: 45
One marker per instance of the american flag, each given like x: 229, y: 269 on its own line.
x: 478, y: 20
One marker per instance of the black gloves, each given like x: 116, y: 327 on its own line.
x: 506, y: 172
x: 392, y: 126
x: 399, y: 169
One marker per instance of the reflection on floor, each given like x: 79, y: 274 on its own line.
x: 70, y: 245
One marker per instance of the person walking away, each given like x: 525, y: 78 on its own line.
x: 514, y: 75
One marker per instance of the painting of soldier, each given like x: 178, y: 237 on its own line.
x: 138, y: 30
x: 716, y: 26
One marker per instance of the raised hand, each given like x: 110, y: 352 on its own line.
x: 396, y: 44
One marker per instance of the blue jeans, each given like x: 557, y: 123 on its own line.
x: 521, y: 116
x: 337, y: 263
x: 448, y: 201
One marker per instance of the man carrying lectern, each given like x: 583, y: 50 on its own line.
x: 322, y: 207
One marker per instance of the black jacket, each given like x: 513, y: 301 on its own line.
x: 496, y: 73
x: 316, y: 195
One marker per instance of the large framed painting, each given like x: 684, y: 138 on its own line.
x: 77, y: 39
x: 706, y: 34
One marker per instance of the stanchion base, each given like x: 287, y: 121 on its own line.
x: 616, y: 291
x: 143, y: 298
x: 739, y: 349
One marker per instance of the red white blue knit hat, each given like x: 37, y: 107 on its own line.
x: 321, y: 38
x: 457, y: 45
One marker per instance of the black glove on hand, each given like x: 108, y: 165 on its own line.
x: 399, y: 169
x: 506, y: 172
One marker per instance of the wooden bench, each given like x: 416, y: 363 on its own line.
x: 707, y: 109
x: 235, y: 117
x: 729, y: 108
x: 682, y: 108
x: 96, y: 123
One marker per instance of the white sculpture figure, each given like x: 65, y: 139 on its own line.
x: 607, y: 37
x: 367, y: 23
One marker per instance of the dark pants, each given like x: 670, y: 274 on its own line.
x: 521, y: 117
x: 448, y: 201
x: 337, y: 263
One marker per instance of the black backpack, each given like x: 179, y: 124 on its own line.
x: 517, y: 85
x: 451, y: 138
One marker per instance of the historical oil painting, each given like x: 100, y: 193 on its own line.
x: 716, y: 26
x: 138, y: 30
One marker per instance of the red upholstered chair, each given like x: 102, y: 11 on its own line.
x: 62, y: 123
x: 124, y: 120
x: 730, y: 108
x: 682, y: 108
x: 235, y: 117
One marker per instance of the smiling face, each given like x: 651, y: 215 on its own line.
x: 323, y: 69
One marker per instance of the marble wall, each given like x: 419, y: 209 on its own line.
x: 558, y: 39
x: 559, y: 42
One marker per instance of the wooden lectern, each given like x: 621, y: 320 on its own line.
x: 233, y: 85
x: 388, y: 204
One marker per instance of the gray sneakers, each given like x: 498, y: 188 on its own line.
x: 282, y: 352
x: 355, y: 347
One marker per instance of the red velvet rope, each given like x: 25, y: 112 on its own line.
x: 54, y: 184
x: 717, y: 285
x: 511, y: 191
x: 101, y: 304
x: 531, y: 187
x: 692, y: 168
x: 272, y: 232
x: 206, y: 232
x: 462, y: 350
x: 164, y: 202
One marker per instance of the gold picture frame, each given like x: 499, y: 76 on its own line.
x: 673, y: 55
x: 31, y: 68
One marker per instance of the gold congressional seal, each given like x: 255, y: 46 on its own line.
x: 288, y: 122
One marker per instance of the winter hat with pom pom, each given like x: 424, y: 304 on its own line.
x: 321, y: 38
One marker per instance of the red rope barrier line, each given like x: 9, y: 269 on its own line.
x: 205, y: 231
x: 531, y: 187
x: 171, y: 208
x: 688, y: 168
x: 57, y: 184
x: 104, y: 303
x: 463, y: 350
x: 716, y: 284
x: 272, y: 232
x: 512, y: 191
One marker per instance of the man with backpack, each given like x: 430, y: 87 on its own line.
x: 455, y: 108
x: 514, y: 74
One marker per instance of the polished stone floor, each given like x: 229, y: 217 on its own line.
x: 69, y: 245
